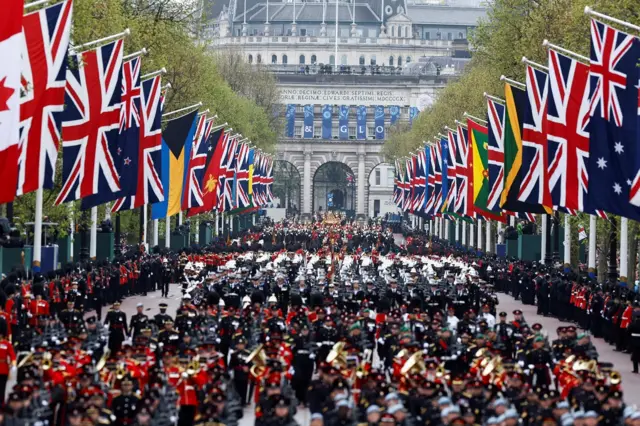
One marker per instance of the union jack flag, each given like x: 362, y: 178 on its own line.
x: 242, y: 199
x: 431, y: 181
x: 227, y: 172
x: 613, y: 148
x: 452, y: 173
x: 438, y: 180
x: 464, y: 190
x: 419, y: 182
x: 149, y: 188
x: 192, y: 195
x: 257, y: 178
x: 129, y: 113
x: 46, y: 34
x: 534, y: 188
x: 398, y: 187
x: 495, y: 119
x: 268, y: 179
x: 91, y: 121
x: 408, y: 189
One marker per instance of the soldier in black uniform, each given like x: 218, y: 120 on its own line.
x: 168, y: 336
x: 139, y: 321
x: 634, y: 333
x: 126, y: 405
x: 71, y: 318
x: 240, y: 368
x: 118, y: 330
x: 162, y: 317
x: 540, y: 359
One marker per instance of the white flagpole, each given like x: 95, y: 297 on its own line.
x: 153, y: 74
x: 479, y: 120
x: 197, y: 236
x: 93, y: 244
x: 37, y: 232
x: 624, y: 245
x: 155, y: 232
x: 217, y: 227
x: 543, y: 240
x: 513, y: 82
x: 592, y: 244
x: 488, y: 238
x: 567, y: 240
x: 198, y: 105
x: 471, y: 229
x: 144, y: 51
x: 72, y: 230
x: 144, y: 227
x: 78, y: 49
x: 589, y: 11
x: 578, y: 56
x: 534, y: 64
x: 464, y: 232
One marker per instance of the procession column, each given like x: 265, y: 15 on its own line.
x: 361, y: 187
x: 94, y: 233
x: 592, y: 246
x: 306, y: 186
x: 624, y: 252
x: 543, y: 240
x: 567, y: 241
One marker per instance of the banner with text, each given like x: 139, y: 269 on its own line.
x: 394, y: 112
x: 327, y: 112
x: 308, y: 121
x: 322, y: 96
x: 343, y: 121
x: 291, y: 119
x: 379, y: 121
x: 361, y: 122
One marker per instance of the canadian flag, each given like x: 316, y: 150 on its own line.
x: 10, y: 45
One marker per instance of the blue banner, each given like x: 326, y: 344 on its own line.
x: 394, y: 112
x: 291, y: 119
x: 361, y: 122
x: 308, y: 121
x: 413, y: 113
x: 379, y: 120
x: 343, y: 121
x: 327, y: 113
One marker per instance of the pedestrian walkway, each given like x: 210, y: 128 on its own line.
x: 621, y: 361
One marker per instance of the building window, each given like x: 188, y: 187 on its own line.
x: 438, y: 36
x: 377, y: 181
x: 373, y: 59
x: 299, y: 109
x: 461, y: 35
x: 399, y: 61
x: 361, y: 60
x: 250, y: 58
x: 343, y: 60
x: 391, y: 178
x: 301, y: 59
x: 297, y: 131
x: 332, y: 60
x: 285, y: 60
x: 371, y: 131
x: 317, y: 131
x: 393, y: 31
x: 303, y: 32
x: 376, y: 208
x: 449, y: 36
x: 390, y: 61
x: 313, y: 59
x: 274, y: 59
x: 352, y: 132
x: 259, y: 58
x: 427, y: 35
x: 408, y: 59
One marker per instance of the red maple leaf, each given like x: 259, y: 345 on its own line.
x: 5, y: 95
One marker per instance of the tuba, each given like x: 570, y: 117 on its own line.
x: 337, y: 356
x: 259, y: 359
x: 415, y: 364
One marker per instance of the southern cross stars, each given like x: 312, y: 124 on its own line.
x: 602, y: 163
x: 618, y: 147
x: 617, y: 188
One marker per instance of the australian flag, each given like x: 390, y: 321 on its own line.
x: 613, y: 100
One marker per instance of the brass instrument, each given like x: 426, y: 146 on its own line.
x: 337, y: 356
x: 443, y: 373
x: 103, y: 360
x: 25, y: 360
x: 615, y: 377
x: 47, y: 362
x: 493, y: 366
x: 193, y: 367
x: 121, y: 371
x: 259, y: 359
x: 415, y: 364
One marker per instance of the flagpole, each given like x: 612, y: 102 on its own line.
x: 500, y: 234
x: 198, y: 105
x: 479, y: 245
x: 494, y: 98
x: 592, y: 246
x: 480, y: 120
x: 161, y: 71
x: 37, y: 3
x: 624, y: 245
x: 567, y: 240
x: 37, y: 232
x: 78, y: 49
x: 463, y: 224
x: 543, y: 241
x: 589, y: 11
x: 156, y: 228
x: 94, y: 233
x: 534, y: 64
x: 488, y: 237
x: 135, y: 54
x: 513, y: 82
x: 548, y: 45
x: 72, y: 230
x: 167, y: 232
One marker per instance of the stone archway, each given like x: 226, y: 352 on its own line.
x: 287, y: 186
x: 334, y: 188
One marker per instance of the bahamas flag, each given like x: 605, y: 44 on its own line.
x: 175, y: 155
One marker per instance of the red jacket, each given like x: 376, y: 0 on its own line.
x: 627, y: 316
x: 7, y: 357
x: 37, y: 308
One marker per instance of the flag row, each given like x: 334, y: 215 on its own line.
x: 567, y: 138
x: 109, y: 119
